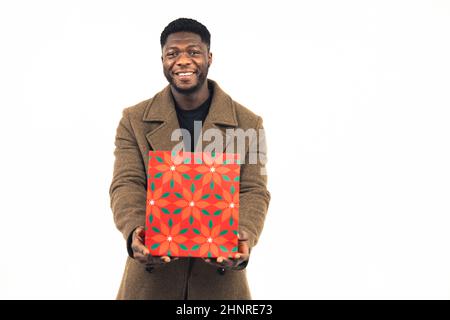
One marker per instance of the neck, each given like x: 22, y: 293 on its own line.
x: 192, y: 100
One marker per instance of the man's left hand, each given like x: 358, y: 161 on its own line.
x: 241, y: 256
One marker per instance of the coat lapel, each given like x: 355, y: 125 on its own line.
x: 163, y: 118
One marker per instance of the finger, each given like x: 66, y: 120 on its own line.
x: 165, y: 259
x: 139, y: 232
x: 138, y: 247
x: 222, y: 261
x: 140, y: 252
x: 154, y: 261
x: 240, y: 254
x: 214, y: 262
x: 243, y: 247
x: 137, y: 244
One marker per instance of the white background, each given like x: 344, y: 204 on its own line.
x: 355, y: 100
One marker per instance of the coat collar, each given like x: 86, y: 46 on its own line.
x: 161, y: 109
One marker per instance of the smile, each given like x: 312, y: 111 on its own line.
x: 184, y: 73
x: 185, y: 76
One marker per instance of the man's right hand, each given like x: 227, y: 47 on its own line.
x: 142, y: 254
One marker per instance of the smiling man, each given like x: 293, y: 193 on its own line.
x: 189, y: 99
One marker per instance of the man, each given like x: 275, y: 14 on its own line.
x: 149, y: 125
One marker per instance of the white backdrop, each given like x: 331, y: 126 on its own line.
x: 355, y: 100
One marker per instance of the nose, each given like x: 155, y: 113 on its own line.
x: 183, y: 59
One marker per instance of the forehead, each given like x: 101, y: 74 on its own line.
x: 182, y: 39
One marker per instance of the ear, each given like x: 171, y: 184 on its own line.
x: 209, y: 58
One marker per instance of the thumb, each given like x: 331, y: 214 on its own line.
x: 140, y: 230
x: 243, y: 246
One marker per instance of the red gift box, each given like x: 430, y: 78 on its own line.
x: 192, y: 205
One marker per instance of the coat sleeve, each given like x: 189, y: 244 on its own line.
x: 254, y: 197
x: 129, y: 183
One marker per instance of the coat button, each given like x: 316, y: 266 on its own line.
x: 221, y: 271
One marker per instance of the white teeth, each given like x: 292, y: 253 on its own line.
x: 185, y: 74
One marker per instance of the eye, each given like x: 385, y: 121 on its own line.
x: 171, y: 54
x: 194, y: 53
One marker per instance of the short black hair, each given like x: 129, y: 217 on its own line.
x: 186, y: 25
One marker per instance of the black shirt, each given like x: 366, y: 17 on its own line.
x: 186, y: 118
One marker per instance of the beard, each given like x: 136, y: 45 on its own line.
x: 201, y: 78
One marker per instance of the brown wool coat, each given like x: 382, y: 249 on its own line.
x: 148, y: 126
